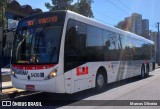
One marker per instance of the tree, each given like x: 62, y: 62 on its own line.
x: 81, y: 6
x: 84, y: 7
x: 3, y: 4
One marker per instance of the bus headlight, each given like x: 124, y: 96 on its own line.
x: 13, y: 73
x: 52, y: 74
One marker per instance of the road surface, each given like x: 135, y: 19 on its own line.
x: 132, y: 89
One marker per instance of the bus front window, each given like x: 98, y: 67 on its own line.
x: 37, y: 45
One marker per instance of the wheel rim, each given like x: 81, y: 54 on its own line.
x: 100, y: 80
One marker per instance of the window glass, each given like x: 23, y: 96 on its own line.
x: 39, y: 45
x: 75, y: 52
x: 75, y: 44
x: 94, y: 44
x: 112, y: 45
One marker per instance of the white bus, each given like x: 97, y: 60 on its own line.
x: 64, y: 52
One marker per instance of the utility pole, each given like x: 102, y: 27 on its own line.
x: 158, y: 38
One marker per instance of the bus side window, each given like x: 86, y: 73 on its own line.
x: 94, y: 44
x: 112, y: 46
x: 75, y: 44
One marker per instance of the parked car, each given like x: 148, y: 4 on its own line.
x: 6, y: 70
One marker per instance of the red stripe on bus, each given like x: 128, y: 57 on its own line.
x: 33, y: 67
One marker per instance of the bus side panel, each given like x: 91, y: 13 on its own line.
x: 67, y: 79
x: 60, y: 88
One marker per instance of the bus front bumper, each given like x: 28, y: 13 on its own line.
x: 44, y: 86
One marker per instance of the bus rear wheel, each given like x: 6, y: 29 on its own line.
x: 147, y: 71
x: 142, y: 72
x: 100, y: 81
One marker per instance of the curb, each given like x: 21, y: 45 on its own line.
x: 15, y: 94
x: 7, y: 87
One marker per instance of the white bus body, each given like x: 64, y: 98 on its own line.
x: 80, y: 77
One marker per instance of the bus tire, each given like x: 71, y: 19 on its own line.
x: 147, y: 71
x: 100, y: 80
x: 153, y: 66
x: 143, y: 72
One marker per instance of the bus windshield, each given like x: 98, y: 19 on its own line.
x: 37, y: 45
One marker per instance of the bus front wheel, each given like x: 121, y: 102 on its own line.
x: 142, y: 72
x: 147, y: 71
x: 100, y: 81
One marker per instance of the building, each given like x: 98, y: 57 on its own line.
x: 14, y: 12
x: 135, y: 24
x: 145, y: 28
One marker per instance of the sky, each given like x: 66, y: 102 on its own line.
x: 113, y: 11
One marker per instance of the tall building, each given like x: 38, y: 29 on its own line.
x: 135, y: 24
x: 145, y: 28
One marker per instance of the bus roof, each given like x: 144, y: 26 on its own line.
x: 106, y: 26
x: 93, y: 22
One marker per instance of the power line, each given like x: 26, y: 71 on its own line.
x: 118, y: 7
x: 152, y: 26
x: 106, y: 16
x: 124, y: 5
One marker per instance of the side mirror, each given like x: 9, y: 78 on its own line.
x: 25, y: 32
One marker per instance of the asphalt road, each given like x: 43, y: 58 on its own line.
x: 131, y: 89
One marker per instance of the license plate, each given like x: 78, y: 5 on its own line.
x: 30, y: 87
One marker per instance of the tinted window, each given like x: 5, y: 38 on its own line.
x: 39, y: 45
x: 75, y: 45
x: 94, y: 44
x: 112, y: 45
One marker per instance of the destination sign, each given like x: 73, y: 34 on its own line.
x: 49, y: 18
x: 43, y: 20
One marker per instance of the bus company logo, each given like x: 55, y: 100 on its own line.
x: 28, y: 77
x: 6, y: 103
x: 25, y: 73
x: 22, y: 72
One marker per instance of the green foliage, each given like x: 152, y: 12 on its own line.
x: 84, y: 7
x: 81, y: 6
x: 3, y: 4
